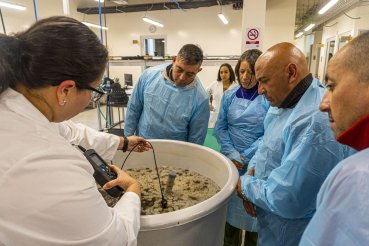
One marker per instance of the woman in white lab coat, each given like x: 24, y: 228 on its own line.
x: 48, y: 193
x: 226, y: 79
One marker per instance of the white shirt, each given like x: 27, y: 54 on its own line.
x: 216, y: 89
x: 48, y: 194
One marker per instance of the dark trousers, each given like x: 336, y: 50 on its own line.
x: 233, y: 237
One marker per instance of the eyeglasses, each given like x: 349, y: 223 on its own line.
x: 97, y: 94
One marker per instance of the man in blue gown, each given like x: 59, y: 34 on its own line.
x: 169, y: 102
x: 342, y: 216
x: 297, y: 152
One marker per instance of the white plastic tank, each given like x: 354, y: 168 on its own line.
x: 201, y: 224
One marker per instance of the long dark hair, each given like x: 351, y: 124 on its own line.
x: 50, y: 51
x: 250, y: 56
x: 232, y: 77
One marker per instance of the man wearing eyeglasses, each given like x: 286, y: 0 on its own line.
x: 169, y: 102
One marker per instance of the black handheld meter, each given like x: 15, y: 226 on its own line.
x: 103, y: 173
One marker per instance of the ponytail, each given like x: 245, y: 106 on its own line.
x: 10, y: 49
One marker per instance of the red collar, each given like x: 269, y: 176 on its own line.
x: 357, y: 136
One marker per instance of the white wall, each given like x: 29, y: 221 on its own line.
x: 16, y: 20
x: 279, y: 22
x: 341, y: 26
x: 200, y: 26
x: 253, y: 17
x: 300, y: 42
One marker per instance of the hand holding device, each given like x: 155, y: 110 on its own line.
x: 103, y: 173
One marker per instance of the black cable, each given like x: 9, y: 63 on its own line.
x: 164, y: 203
x: 354, y: 18
x: 81, y: 148
x: 2, y: 21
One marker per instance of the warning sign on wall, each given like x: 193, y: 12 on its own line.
x: 253, y: 38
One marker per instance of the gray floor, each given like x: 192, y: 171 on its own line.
x: 89, y: 117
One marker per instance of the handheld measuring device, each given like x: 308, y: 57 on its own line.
x: 103, y: 172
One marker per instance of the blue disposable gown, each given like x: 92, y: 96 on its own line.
x: 296, y: 154
x: 158, y: 109
x: 342, y: 216
x: 238, y: 130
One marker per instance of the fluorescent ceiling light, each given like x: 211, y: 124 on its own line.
x: 327, y: 6
x: 66, y: 7
x: 299, y: 34
x: 94, y: 25
x: 12, y: 6
x: 223, y: 18
x: 148, y: 20
x: 101, y: 1
x: 123, y: 2
x: 309, y: 27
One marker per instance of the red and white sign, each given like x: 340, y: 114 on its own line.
x: 252, y: 38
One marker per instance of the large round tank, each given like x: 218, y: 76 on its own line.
x: 201, y: 224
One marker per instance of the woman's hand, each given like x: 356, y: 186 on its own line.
x: 238, y: 164
x: 142, y: 144
x: 123, y: 180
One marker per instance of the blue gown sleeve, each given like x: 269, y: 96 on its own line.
x: 247, y: 154
x: 198, y: 125
x: 135, y: 107
x: 221, y: 130
x: 342, y: 210
x: 290, y: 190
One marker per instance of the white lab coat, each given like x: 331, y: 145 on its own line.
x: 48, y: 194
x: 216, y: 89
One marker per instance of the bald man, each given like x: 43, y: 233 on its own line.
x: 297, y: 152
x: 342, y: 216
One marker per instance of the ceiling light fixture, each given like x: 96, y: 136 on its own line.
x: 121, y: 2
x: 12, y: 6
x: 101, y: 1
x: 148, y: 20
x: 223, y: 18
x: 221, y: 15
x: 299, y: 34
x: 94, y: 25
x: 327, y: 6
x: 309, y: 27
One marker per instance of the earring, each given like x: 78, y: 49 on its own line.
x: 63, y: 103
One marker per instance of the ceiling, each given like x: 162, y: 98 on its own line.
x: 126, y: 6
x: 306, y: 10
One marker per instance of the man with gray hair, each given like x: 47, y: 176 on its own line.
x: 342, y: 216
x: 169, y: 102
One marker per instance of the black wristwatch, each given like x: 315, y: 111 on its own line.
x: 125, y: 144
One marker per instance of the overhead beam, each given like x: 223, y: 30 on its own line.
x: 156, y: 6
